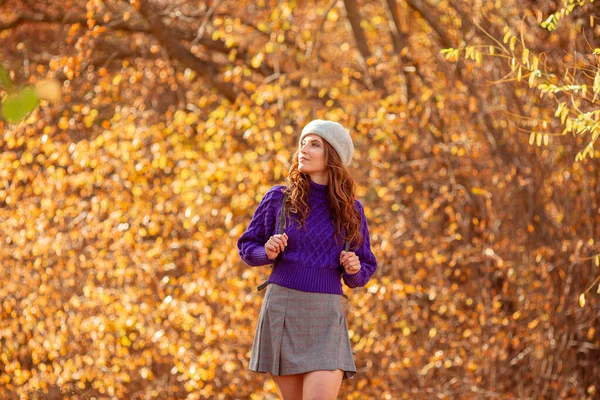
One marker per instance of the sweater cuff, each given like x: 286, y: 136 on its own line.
x: 353, y: 280
x: 258, y: 256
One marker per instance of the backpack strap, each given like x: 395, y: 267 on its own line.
x: 280, y: 231
x: 346, y: 247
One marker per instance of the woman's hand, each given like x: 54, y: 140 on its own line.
x: 275, y: 245
x: 350, y: 262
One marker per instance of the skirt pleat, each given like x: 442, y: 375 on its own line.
x: 298, y: 332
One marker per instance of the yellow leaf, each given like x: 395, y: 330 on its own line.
x: 409, y: 289
x: 426, y: 94
x: 232, y: 54
x: 468, y: 52
x: 262, y: 26
x: 75, y: 27
x: 534, y: 63
x: 63, y: 123
x: 597, y: 260
x: 257, y: 60
x: 582, y: 299
x: 50, y: 90
x: 525, y: 57
x: 190, y: 119
x: 277, y: 172
x: 531, y: 79
x: 88, y: 120
x: 230, y: 42
x: 559, y: 109
x: 481, y: 192
x: 332, y: 15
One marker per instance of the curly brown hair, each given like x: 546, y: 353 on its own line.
x: 340, y: 196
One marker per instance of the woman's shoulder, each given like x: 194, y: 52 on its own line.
x: 358, y: 205
x: 274, y: 193
x: 277, y: 189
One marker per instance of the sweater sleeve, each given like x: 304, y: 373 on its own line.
x: 368, y: 262
x: 251, y: 244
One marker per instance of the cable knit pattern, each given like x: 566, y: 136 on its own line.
x: 311, y: 260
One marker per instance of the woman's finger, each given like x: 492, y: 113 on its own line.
x: 351, y: 258
x: 274, y: 244
x: 345, y: 257
x: 283, y: 237
x: 274, y: 241
x: 271, y: 247
x: 279, y: 242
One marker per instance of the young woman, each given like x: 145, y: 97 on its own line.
x: 301, y: 338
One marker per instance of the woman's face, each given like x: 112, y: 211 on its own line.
x: 311, y: 157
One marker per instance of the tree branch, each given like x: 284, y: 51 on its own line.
x: 399, y: 41
x: 178, y: 51
x: 485, y: 120
x: 361, y: 40
x: 169, y: 38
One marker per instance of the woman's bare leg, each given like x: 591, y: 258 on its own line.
x: 322, y: 385
x: 289, y: 386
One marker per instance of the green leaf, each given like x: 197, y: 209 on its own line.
x: 17, y: 105
x: 5, y: 80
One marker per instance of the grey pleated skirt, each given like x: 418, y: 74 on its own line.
x: 299, y: 332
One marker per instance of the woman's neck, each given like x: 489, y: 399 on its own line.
x: 318, y: 190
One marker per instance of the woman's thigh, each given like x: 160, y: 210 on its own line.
x: 289, y: 386
x: 322, y: 385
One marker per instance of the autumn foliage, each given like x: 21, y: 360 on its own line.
x: 120, y: 205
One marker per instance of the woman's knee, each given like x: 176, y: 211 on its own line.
x: 322, y: 385
x: 289, y: 386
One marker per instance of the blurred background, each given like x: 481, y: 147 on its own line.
x: 138, y: 138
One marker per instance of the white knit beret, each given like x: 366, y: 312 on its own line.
x: 335, y: 134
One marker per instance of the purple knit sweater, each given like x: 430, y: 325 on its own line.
x: 311, y: 259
